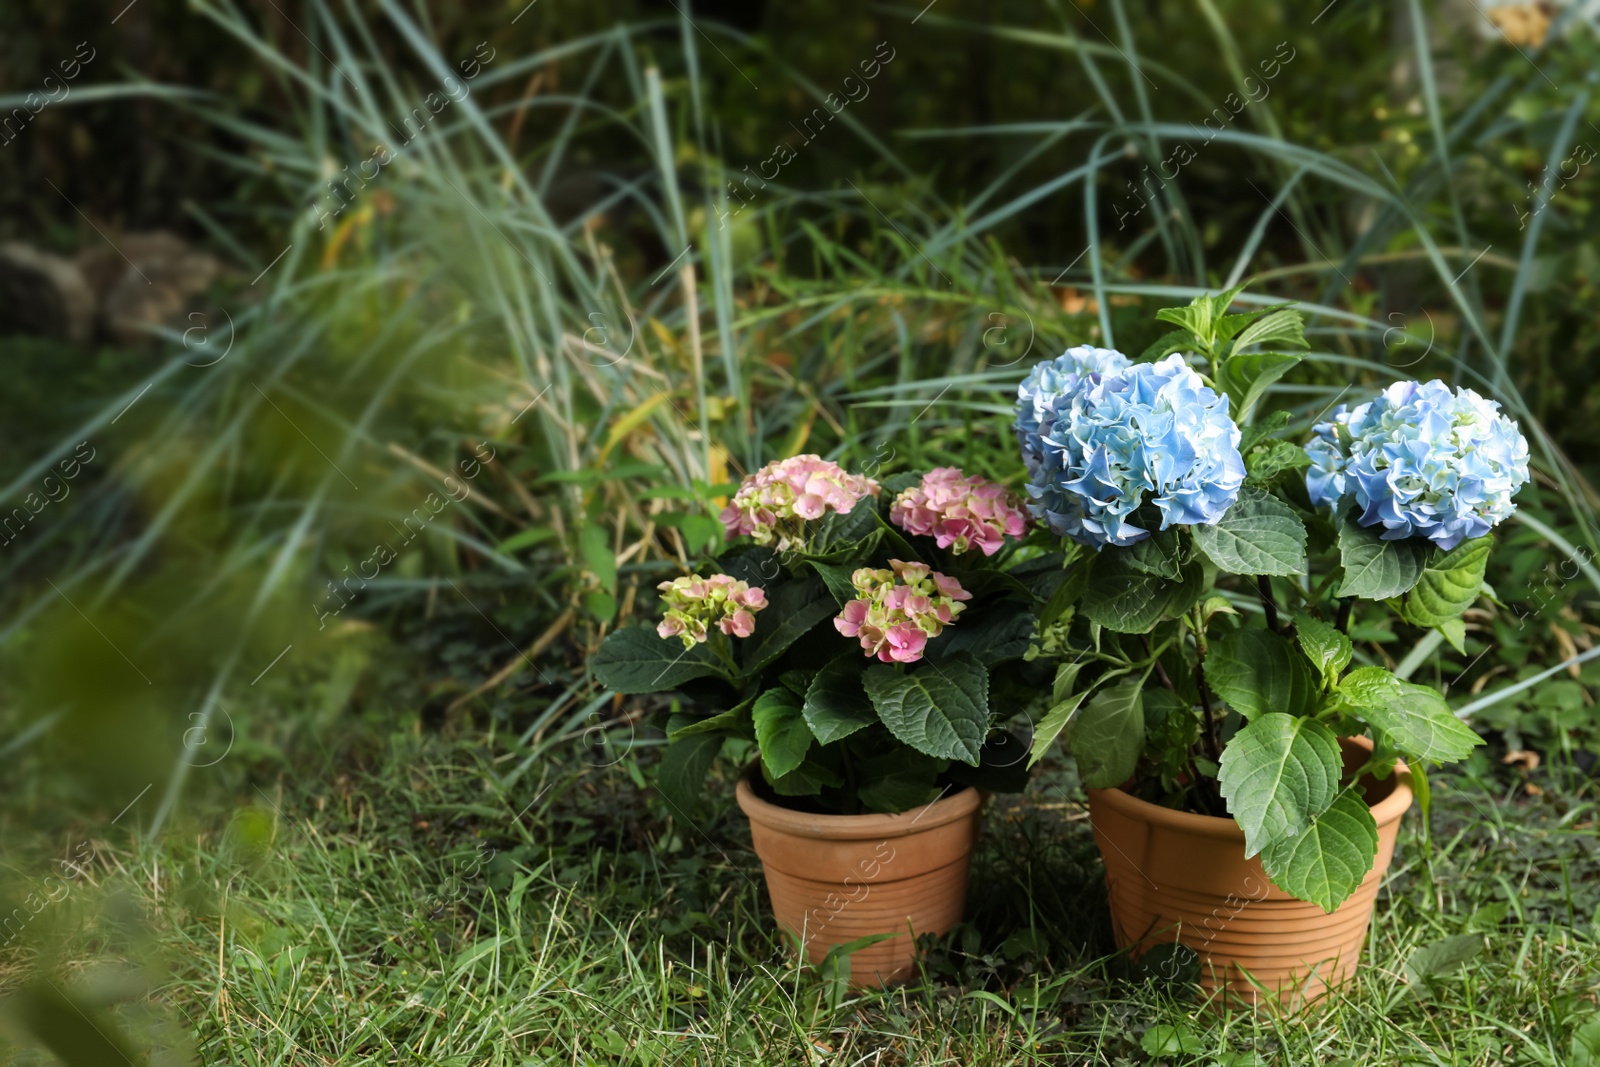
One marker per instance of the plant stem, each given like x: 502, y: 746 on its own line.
x: 1213, y: 738
x: 1342, y: 621
x: 1161, y: 671
x: 1268, y: 604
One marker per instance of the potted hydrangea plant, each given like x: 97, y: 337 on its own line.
x: 1246, y: 767
x: 852, y: 633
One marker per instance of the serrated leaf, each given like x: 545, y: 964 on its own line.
x: 844, y: 528
x: 1157, y: 555
x: 1449, y: 583
x: 1108, y: 736
x: 781, y: 731
x: 1128, y: 601
x: 735, y: 722
x: 1258, y: 673
x: 792, y: 609
x: 1068, y: 593
x: 1454, y: 631
x: 1228, y: 326
x: 637, y: 660
x: 1259, y: 534
x: 1270, y: 425
x: 938, y: 709
x: 1215, y: 605
x: 1282, y: 327
x: 1442, y: 957
x: 1196, y: 318
x: 1049, y: 728
x: 836, y: 576
x: 1066, y: 678
x: 1245, y: 378
x: 1278, y: 773
x: 806, y: 780
x: 757, y: 565
x: 1264, y: 464
x: 1325, y: 646
x: 1415, y: 717
x: 1375, y: 569
x: 682, y: 771
x: 836, y: 705
x: 1221, y: 302
x: 1327, y: 862
x: 1165, y: 345
x: 990, y: 635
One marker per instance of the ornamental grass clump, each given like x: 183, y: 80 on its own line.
x: 859, y: 641
x: 1203, y: 631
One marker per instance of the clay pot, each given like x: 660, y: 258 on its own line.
x: 1175, y: 876
x: 836, y: 878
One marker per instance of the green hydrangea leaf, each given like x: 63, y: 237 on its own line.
x: 1415, y: 717
x: 836, y: 705
x: 1108, y: 736
x: 1325, y: 646
x: 1278, y: 773
x: 1375, y: 569
x: 938, y: 709
x: 1122, y: 598
x: 1049, y: 728
x: 781, y: 731
x: 1328, y: 861
x: 1259, y: 534
x: 636, y: 660
x: 792, y: 609
x: 1257, y: 673
x: 682, y: 771
x: 1449, y: 583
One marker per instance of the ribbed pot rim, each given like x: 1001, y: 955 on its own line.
x: 941, y: 812
x: 1384, y: 812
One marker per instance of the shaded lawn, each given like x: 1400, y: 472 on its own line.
x: 398, y: 909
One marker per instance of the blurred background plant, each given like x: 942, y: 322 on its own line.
x: 386, y: 324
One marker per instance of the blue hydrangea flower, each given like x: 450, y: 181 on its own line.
x: 1054, y: 378
x: 1109, y: 440
x: 1420, y: 461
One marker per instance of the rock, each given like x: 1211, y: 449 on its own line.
x: 147, y: 280
x: 44, y: 295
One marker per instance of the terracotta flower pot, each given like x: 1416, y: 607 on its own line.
x: 836, y: 878
x: 1175, y: 876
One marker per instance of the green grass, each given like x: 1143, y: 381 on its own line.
x: 358, y: 915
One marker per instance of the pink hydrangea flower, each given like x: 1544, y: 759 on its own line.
x: 773, y: 504
x: 694, y: 604
x: 900, y: 609
x: 959, y: 512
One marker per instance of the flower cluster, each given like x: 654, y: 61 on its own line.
x: 1114, y: 435
x: 900, y: 609
x: 694, y: 603
x: 1420, y: 461
x: 1036, y: 397
x: 958, y: 512
x: 773, y: 504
